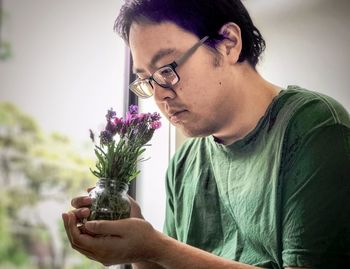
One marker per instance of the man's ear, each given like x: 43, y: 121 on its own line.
x: 231, y: 45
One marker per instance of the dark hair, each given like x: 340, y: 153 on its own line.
x: 202, y: 18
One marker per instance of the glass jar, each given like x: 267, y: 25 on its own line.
x: 109, y: 200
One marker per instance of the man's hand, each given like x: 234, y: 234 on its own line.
x: 83, y: 203
x: 134, y: 240
x: 88, y: 239
x: 122, y: 241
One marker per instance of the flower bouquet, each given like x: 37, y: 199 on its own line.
x: 120, y: 147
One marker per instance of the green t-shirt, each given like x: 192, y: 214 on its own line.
x: 278, y: 197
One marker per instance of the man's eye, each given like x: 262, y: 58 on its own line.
x: 165, y: 72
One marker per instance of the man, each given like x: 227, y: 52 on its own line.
x: 265, y: 180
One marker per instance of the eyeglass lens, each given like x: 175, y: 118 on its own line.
x: 166, y: 76
x: 143, y: 88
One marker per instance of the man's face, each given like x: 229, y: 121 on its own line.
x: 197, y: 103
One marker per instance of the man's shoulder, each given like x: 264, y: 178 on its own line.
x: 308, y: 115
x: 311, y: 109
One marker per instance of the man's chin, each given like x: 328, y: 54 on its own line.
x: 192, y: 133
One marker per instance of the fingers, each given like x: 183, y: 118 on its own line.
x: 135, y: 209
x: 107, y: 227
x: 79, y: 241
x: 81, y: 201
x: 81, y: 213
x: 107, y: 247
x: 65, y: 222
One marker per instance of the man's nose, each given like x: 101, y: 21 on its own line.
x: 161, y: 94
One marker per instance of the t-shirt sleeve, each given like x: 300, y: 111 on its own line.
x: 315, y: 191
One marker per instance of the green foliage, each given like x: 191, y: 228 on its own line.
x: 86, y: 263
x: 56, y: 164
x: 17, y: 130
x: 122, y: 156
x: 11, y: 251
x: 5, y: 46
x: 30, y: 164
x: 5, y: 50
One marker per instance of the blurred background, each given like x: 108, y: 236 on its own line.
x: 62, y: 67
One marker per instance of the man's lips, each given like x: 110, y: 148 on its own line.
x: 175, y: 113
x: 176, y: 116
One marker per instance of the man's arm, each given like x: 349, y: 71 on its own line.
x: 201, y: 257
x: 174, y: 254
x: 316, y: 198
x: 135, y: 240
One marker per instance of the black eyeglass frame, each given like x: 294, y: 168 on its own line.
x: 172, y: 66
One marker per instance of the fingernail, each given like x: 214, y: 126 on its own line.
x: 85, y: 211
x: 87, y: 199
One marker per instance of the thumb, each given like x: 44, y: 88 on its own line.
x: 108, y: 227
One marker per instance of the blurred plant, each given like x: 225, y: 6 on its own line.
x: 5, y: 46
x: 34, y: 167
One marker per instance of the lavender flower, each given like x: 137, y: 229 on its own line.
x: 92, y: 136
x: 111, y: 127
x: 129, y: 117
x: 156, y: 125
x: 110, y: 114
x: 106, y: 137
x: 133, y: 109
x: 117, y: 158
x: 118, y: 123
x: 155, y: 116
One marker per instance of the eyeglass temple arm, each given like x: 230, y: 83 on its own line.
x: 181, y: 59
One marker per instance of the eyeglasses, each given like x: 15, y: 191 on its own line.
x: 165, y: 76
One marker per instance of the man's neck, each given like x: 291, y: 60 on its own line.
x: 256, y: 95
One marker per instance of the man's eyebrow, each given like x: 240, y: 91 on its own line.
x: 158, y: 56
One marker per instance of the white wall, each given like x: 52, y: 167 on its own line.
x: 67, y: 67
x: 308, y: 43
x: 151, y: 182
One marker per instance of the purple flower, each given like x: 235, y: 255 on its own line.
x: 92, y: 135
x: 155, y: 116
x: 142, y: 116
x: 110, y: 114
x: 106, y: 137
x: 117, y: 158
x: 111, y: 127
x: 135, y: 127
x: 117, y: 120
x: 156, y: 125
x: 133, y: 109
x: 122, y: 131
x: 128, y: 119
